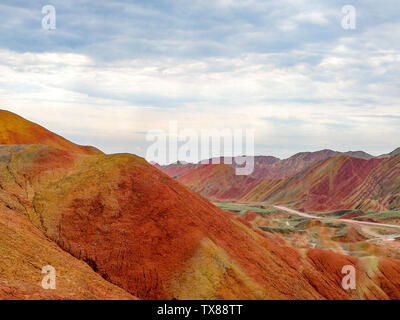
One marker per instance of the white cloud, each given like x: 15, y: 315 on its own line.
x: 316, y: 17
x: 285, y: 68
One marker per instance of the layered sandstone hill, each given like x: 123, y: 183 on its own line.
x: 293, y: 165
x: 24, y: 251
x: 149, y: 235
x: 380, y: 190
x: 323, y: 185
x: 337, y: 183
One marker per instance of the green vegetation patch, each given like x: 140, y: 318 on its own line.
x: 336, y: 213
x: 282, y: 229
x: 236, y: 207
x: 334, y: 225
x: 382, y: 215
x: 340, y: 233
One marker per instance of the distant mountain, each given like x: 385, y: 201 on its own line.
x: 218, y: 182
x: 359, y: 155
x: 380, y: 190
x: 268, y: 167
x: 320, y: 181
x: 337, y: 183
x: 323, y: 186
x: 155, y: 164
x: 296, y: 163
x: 177, y: 169
x: 393, y: 153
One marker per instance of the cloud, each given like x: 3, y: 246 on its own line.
x: 114, y: 70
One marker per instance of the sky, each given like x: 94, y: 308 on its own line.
x: 112, y: 71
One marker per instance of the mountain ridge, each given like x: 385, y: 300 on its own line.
x: 301, y: 167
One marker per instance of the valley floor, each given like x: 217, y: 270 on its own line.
x: 349, y: 232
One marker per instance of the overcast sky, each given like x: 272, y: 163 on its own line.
x: 113, y: 70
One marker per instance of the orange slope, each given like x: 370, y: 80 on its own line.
x: 16, y: 130
x: 25, y: 251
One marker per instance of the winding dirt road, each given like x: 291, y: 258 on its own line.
x: 305, y: 215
